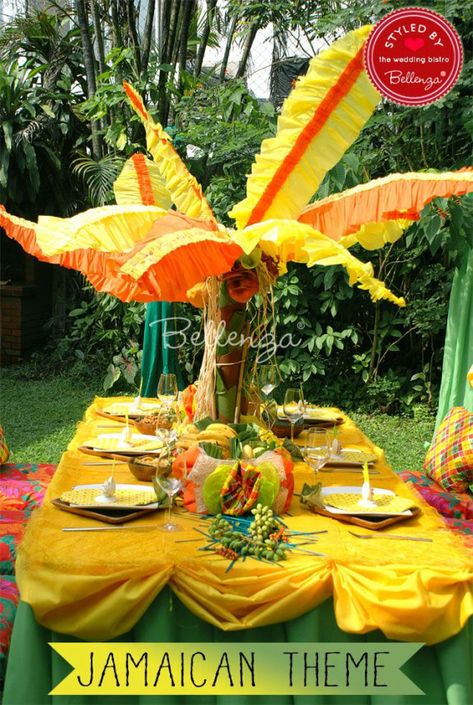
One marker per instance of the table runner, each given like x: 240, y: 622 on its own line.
x: 97, y: 586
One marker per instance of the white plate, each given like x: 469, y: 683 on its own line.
x: 120, y: 408
x: 333, y: 489
x: 128, y: 449
x: 96, y: 505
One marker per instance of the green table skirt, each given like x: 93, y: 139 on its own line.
x: 444, y: 672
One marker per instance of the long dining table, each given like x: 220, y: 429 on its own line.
x: 154, y: 586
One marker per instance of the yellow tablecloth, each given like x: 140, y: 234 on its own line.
x: 96, y: 585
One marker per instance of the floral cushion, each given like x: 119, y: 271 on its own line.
x: 8, y: 604
x: 449, y: 460
x: 454, y: 505
x: 27, y: 480
x: 10, y: 537
x: 22, y: 489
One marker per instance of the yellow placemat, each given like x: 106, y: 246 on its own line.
x: 86, y: 497
x: 384, y: 503
x: 116, y: 443
x: 121, y: 408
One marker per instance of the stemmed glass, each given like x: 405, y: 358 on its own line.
x: 170, y: 485
x: 268, y: 379
x: 294, y: 407
x: 168, y: 389
x: 316, y: 450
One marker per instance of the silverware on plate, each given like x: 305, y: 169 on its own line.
x: 388, y: 536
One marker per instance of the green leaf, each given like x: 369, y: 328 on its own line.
x: 32, y: 166
x: 121, y: 141
x: 112, y: 376
x: 8, y: 133
x: 49, y: 112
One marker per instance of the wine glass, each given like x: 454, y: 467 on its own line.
x: 316, y: 450
x: 167, y: 389
x: 170, y: 485
x: 268, y: 379
x: 294, y: 407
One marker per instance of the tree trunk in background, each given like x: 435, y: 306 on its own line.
x: 188, y: 9
x: 173, y: 7
x: 247, y: 49
x: 228, y: 46
x: 98, y: 31
x: 133, y: 33
x: 209, y: 16
x: 117, y: 35
x: 164, y: 19
x: 90, y: 70
x: 147, y: 34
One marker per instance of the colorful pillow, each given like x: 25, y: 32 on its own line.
x: 4, y: 452
x: 22, y: 486
x: 457, y: 505
x: 449, y: 460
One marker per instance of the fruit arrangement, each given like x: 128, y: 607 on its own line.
x: 218, y: 435
x: 227, y: 440
x: 262, y: 536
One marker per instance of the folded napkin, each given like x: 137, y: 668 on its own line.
x: 241, y: 490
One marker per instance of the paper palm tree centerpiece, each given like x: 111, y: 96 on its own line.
x: 140, y: 250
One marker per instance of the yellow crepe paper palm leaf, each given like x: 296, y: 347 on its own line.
x: 320, y: 119
x: 185, y: 191
x: 290, y: 241
x: 140, y: 181
x: 105, y: 229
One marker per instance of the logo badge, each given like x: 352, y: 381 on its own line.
x: 413, y: 56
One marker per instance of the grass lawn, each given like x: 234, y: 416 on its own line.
x: 40, y: 416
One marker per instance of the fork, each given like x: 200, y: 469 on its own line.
x: 388, y: 536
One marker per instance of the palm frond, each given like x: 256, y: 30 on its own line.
x: 98, y: 176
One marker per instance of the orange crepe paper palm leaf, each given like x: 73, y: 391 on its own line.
x: 176, y: 253
x: 378, y: 211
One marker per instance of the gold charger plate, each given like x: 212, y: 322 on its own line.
x: 117, y: 516
x: 374, y: 523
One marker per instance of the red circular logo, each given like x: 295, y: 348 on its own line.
x: 413, y: 56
